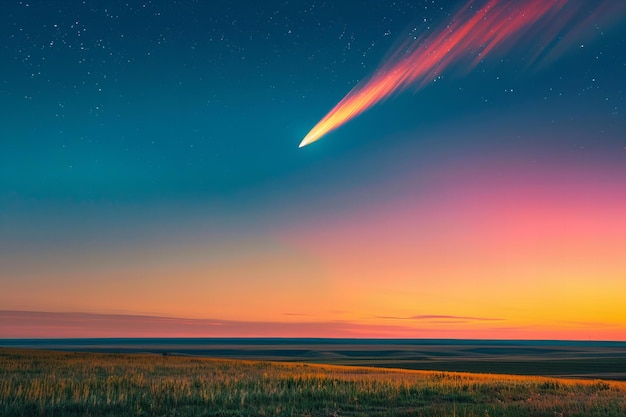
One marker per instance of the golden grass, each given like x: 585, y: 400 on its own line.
x: 43, y: 383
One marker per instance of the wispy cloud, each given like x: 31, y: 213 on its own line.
x: 31, y: 324
x: 441, y: 317
x: 590, y: 324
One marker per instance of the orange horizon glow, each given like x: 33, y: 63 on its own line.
x: 525, y: 254
x: 470, y: 36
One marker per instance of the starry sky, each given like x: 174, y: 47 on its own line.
x: 151, y: 182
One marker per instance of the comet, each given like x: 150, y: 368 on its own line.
x: 479, y: 29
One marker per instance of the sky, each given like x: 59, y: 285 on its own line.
x: 152, y: 183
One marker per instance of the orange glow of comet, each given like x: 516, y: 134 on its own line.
x: 473, y: 33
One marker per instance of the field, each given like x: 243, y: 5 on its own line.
x: 47, y: 383
x: 576, y: 359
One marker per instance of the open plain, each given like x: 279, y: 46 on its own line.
x: 49, y: 383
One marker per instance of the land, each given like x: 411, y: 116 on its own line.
x: 575, y: 359
x: 52, y: 383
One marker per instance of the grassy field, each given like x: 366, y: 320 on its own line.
x: 44, y: 383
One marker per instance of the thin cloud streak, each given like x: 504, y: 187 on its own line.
x: 439, y: 317
x: 31, y: 324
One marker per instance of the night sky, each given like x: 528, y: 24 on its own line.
x: 149, y: 168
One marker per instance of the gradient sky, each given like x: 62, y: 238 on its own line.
x: 151, y: 182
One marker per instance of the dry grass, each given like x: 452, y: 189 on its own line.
x: 41, y: 383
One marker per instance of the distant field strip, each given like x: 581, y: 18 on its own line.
x: 579, y: 359
x: 45, y: 383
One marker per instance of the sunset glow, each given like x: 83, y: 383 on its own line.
x: 464, y: 254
